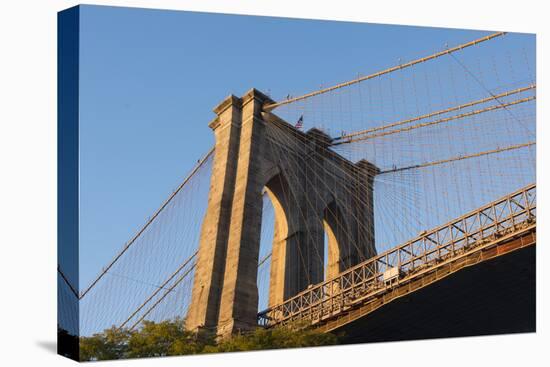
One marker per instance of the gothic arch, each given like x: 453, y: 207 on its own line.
x: 338, y: 238
x: 254, y: 150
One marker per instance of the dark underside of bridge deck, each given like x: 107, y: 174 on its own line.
x: 493, y: 297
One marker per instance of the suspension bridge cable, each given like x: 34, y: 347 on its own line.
x: 435, y: 113
x: 478, y: 81
x: 131, y: 242
x: 159, y: 289
x: 459, y: 158
x: 404, y: 203
x: 265, y: 258
x: 448, y: 51
x: 157, y: 302
x: 438, y: 121
x: 73, y: 290
x: 283, y: 132
x: 170, y: 289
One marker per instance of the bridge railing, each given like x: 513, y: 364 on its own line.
x: 474, y: 229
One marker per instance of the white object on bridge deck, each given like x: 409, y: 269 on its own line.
x: 391, y: 274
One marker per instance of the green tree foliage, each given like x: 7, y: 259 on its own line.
x: 169, y: 338
x: 275, y: 338
x: 110, y: 344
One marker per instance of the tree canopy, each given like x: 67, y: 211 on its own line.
x: 169, y: 338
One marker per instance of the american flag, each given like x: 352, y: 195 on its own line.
x: 300, y: 122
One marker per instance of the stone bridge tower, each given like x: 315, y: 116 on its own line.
x: 312, y: 189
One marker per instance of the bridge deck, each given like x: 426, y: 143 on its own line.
x: 503, y: 226
x: 487, y: 292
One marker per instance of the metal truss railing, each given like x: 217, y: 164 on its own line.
x: 476, y: 229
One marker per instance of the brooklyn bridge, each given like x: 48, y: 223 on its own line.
x: 400, y: 204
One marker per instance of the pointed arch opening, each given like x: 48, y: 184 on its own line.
x: 273, y: 263
x: 336, y: 238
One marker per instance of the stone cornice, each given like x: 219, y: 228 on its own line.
x: 214, y: 123
x: 226, y: 103
x: 257, y: 95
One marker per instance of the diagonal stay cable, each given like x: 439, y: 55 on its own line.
x: 160, y: 288
x: 157, y: 302
x: 140, y: 232
x: 447, y: 51
x: 168, y: 290
x: 459, y: 158
x: 438, y: 121
x: 478, y: 81
x: 432, y: 114
x: 73, y: 290
x: 265, y: 258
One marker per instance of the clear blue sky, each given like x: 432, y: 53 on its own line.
x: 150, y: 78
